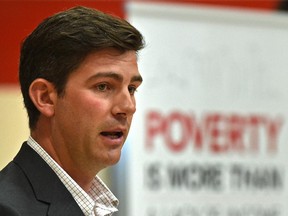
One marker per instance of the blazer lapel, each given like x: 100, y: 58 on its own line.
x: 46, y: 185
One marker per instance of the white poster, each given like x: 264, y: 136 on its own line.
x: 210, y: 137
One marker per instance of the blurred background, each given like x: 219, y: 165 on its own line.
x: 209, y: 137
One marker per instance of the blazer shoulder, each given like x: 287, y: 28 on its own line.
x: 17, y: 196
x: 30, y: 186
x: 12, y: 178
x: 8, y: 210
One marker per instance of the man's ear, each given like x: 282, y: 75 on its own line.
x: 44, y: 96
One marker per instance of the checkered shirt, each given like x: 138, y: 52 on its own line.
x: 99, y: 201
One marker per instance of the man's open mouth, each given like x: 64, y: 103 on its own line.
x: 112, y: 134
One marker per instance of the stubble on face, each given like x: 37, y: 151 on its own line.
x: 92, y: 120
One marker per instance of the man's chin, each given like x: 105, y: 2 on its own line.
x: 114, y: 158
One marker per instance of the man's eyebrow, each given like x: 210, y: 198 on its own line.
x: 115, y: 76
x: 137, y: 79
x: 112, y: 75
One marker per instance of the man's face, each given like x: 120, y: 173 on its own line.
x: 92, y: 119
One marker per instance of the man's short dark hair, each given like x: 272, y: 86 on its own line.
x: 61, y: 42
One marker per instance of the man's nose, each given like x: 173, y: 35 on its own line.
x: 124, y: 104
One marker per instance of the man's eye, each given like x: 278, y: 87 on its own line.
x: 132, y: 90
x: 102, y: 87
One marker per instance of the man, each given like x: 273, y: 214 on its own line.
x: 78, y: 74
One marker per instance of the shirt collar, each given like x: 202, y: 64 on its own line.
x: 98, y: 201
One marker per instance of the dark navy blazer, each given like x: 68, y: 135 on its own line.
x: 29, y: 187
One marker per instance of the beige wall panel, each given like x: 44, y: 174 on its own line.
x: 13, y: 123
